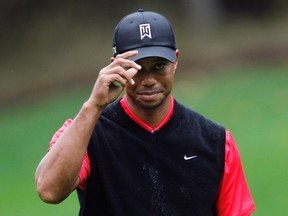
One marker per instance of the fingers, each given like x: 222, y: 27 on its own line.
x: 113, y: 78
x: 130, y: 74
x: 125, y: 68
x: 123, y: 76
x: 127, y: 55
x: 123, y: 60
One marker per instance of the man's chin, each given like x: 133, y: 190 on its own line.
x: 150, y: 103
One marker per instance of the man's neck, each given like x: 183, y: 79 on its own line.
x: 152, y: 116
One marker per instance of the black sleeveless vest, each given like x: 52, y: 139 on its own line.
x: 175, y: 171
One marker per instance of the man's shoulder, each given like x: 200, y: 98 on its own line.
x: 194, y: 117
x: 181, y: 109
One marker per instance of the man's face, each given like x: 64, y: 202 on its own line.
x: 153, y: 83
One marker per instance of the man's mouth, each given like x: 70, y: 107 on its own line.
x: 148, y: 92
x: 149, y: 95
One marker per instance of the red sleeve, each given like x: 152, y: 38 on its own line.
x: 234, y: 197
x: 85, y: 169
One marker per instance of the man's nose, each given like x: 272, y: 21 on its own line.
x: 148, y: 80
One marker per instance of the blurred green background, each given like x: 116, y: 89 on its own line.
x: 233, y: 69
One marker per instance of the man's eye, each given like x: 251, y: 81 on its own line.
x: 159, y: 66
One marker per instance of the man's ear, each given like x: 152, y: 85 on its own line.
x: 112, y: 59
x: 176, y: 62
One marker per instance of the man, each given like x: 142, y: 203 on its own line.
x: 143, y: 154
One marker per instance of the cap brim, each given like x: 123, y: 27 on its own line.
x: 155, y: 51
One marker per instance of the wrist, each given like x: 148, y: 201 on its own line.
x: 91, y: 110
x: 92, y: 107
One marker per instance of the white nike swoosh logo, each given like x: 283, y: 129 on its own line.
x: 191, y: 157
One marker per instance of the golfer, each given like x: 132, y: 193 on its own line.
x: 143, y: 153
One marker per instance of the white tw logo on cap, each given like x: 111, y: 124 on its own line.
x: 145, y: 31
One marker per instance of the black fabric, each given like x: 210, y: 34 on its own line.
x: 138, y: 173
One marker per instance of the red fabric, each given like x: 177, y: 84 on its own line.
x: 132, y: 115
x: 234, y: 196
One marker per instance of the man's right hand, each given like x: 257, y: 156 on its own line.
x: 121, y: 70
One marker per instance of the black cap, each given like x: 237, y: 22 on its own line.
x: 148, y: 32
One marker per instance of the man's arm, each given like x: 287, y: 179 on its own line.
x: 57, y: 173
x: 234, y: 196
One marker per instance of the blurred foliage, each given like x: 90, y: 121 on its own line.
x: 47, y: 45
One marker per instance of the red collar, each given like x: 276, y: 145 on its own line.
x: 134, y: 117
